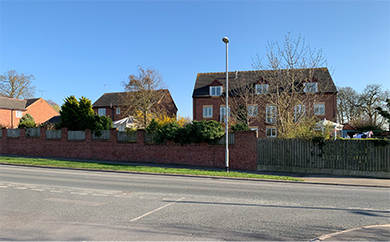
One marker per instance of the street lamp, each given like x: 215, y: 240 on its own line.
x: 226, y: 41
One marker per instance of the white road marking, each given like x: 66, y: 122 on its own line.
x: 157, y: 209
x: 79, y: 202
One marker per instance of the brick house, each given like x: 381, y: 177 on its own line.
x: 12, y: 110
x: 112, y: 104
x: 317, y: 93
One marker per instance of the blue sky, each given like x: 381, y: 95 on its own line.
x: 86, y: 48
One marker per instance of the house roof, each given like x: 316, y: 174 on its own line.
x: 10, y: 103
x: 204, y: 80
x: 31, y: 101
x: 108, y: 99
x: 115, y: 98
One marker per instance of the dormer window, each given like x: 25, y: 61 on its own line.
x: 215, y: 90
x: 261, y: 88
x: 310, y: 87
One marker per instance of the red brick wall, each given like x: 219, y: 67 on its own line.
x: 242, y: 153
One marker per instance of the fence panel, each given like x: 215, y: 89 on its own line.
x: 53, y: 134
x: 33, y: 132
x: 127, y: 137
x: 222, y: 140
x: 13, y: 133
x: 76, y: 135
x: 361, y: 155
x: 105, y: 135
x: 149, y: 137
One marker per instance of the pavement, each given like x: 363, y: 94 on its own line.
x: 368, y: 233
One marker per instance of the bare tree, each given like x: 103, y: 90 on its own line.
x: 293, y: 70
x: 348, y: 103
x: 14, y: 85
x: 144, y: 95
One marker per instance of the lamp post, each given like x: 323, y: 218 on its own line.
x: 226, y: 41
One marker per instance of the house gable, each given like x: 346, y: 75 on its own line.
x: 110, y: 102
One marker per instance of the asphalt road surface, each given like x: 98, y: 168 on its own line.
x: 62, y: 204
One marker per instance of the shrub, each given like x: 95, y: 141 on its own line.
x: 153, y: 126
x: 27, y: 121
x: 195, y: 132
x: 167, y: 132
x: 239, y: 127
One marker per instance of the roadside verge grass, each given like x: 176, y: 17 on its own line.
x: 134, y: 168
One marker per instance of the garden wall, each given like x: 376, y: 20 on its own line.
x: 242, y: 152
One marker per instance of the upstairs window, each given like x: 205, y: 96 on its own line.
x: 299, y: 112
x: 310, y: 87
x: 261, y: 88
x: 207, y: 111
x: 102, y: 112
x: 253, y: 110
x: 118, y: 110
x: 270, y: 114
x: 319, y: 109
x: 215, y: 90
x: 18, y: 114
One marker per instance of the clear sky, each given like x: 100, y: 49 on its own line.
x: 86, y: 48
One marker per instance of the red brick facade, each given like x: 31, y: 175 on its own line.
x: 329, y: 99
x: 8, y: 117
x: 243, y: 153
x: 41, y: 111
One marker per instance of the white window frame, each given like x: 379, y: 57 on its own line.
x: 273, y: 132
x: 299, y: 112
x: 319, y: 107
x: 271, y: 114
x: 310, y: 87
x: 222, y: 111
x: 215, y: 90
x: 18, y: 114
x: 207, y: 111
x: 118, y: 111
x: 102, y: 112
x: 253, y: 110
x: 261, y: 88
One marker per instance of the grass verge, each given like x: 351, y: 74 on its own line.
x: 135, y: 168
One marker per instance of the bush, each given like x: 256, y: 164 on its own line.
x: 239, y: 127
x: 153, y: 126
x: 167, y: 132
x: 195, y: 132
x: 27, y: 121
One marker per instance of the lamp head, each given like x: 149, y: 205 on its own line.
x: 225, y: 40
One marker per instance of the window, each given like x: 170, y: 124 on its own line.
x: 299, y: 112
x: 223, y: 114
x: 253, y: 110
x: 270, y: 114
x: 207, y: 111
x: 270, y: 132
x: 102, y: 112
x: 310, y: 87
x: 118, y: 110
x: 319, y: 109
x: 261, y: 88
x: 18, y: 114
x: 215, y: 90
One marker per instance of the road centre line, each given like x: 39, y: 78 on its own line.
x: 157, y: 209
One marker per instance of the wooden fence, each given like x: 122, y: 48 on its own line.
x: 350, y: 155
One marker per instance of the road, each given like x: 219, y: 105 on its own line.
x: 64, y: 204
